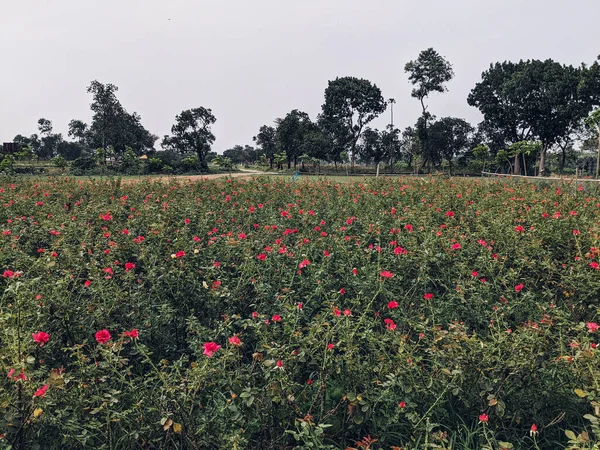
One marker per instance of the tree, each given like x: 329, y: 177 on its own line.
x: 350, y: 105
x: 223, y: 162
x: 449, y: 137
x: 411, y: 145
x: 593, y: 121
x: 49, y: 141
x: 541, y: 100
x: 112, y: 126
x: 241, y: 154
x: 523, y: 149
x: 390, y: 138
x: 78, y: 130
x: 290, y: 134
x: 428, y: 73
x: 266, y: 140
x: 372, y: 147
x: 44, y: 126
x: 107, y: 110
x: 191, y: 133
x: 316, y: 143
x: 69, y: 150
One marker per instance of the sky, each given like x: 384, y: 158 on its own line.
x: 254, y: 61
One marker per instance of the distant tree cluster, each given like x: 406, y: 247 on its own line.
x: 531, y: 109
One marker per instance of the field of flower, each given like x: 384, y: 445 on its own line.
x: 261, y: 314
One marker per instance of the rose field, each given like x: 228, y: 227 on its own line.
x: 391, y: 314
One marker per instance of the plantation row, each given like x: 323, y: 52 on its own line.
x: 235, y: 314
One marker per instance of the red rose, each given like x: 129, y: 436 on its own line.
x: 40, y: 337
x: 103, y: 336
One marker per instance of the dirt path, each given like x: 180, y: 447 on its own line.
x: 212, y: 176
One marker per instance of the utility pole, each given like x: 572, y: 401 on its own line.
x: 391, y: 101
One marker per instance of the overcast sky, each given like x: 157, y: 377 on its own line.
x: 251, y: 61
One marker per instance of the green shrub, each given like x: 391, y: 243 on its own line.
x: 408, y: 313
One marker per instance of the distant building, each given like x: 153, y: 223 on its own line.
x: 9, y: 148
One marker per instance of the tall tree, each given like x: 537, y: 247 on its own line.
x: 78, y: 130
x: 112, y: 126
x: 428, y: 73
x: 541, y: 100
x: 49, y: 141
x: 267, y: 141
x: 449, y: 137
x: 372, y: 147
x: 390, y: 138
x: 290, y: 134
x: 192, y: 133
x: 350, y: 105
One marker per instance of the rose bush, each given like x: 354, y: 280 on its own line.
x: 378, y: 314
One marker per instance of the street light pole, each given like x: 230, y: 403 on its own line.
x: 391, y: 101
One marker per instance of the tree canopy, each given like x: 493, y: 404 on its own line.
x: 192, y: 133
x: 351, y: 104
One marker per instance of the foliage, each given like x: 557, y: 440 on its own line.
x: 542, y: 100
x: 191, y: 133
x: 428, y: 73
x: 261, y: 314
x: 266, y: 140
x: 350, y: 105
x: 112, y: 126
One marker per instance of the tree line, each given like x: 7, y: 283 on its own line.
x: 529, y: 108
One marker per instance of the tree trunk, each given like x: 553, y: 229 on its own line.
x: 377, y: 174
x: 598, y: 158
x: 524, y: 165
x: 543, y: 161
x: 517, y: 165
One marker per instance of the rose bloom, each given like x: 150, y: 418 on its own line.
x: 392, y: 305
x: 234, y: 340
x: 276, y: 318
x: 41, y: 391
x: 133, y: 334
x: 386, y: 274
x: 103, y: 336
x: 210, y: 348
x: 483, y: 418
x: 428, y: 296
x: 40, y: 337
x: 592, y: 327
x: 303, y: 264
x: 389, y: 324
x: 129, y: 266
x: 519, y: 287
